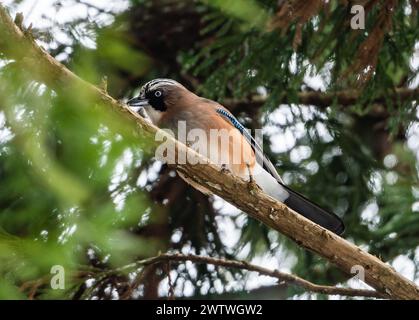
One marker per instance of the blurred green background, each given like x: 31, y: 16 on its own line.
x: 79, y: 187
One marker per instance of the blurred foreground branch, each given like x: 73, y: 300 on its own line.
x: 18, y: 44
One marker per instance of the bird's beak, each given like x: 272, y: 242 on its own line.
x: 138, y: 103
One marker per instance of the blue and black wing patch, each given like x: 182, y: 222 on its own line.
x: 295, y: 200
x: 231, y: 119
x: 267, y: 164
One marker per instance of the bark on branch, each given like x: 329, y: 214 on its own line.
x: 16, y: 44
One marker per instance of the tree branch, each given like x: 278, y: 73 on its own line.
x: 17, y: 45
x: 322, y: 100
x: 243, y: 265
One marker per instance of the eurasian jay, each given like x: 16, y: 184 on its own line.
x: 166, y: 103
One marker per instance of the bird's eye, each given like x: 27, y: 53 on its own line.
x: 157, y: 93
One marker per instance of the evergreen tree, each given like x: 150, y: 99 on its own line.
x: 80, y: 189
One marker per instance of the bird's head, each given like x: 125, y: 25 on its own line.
x: 157, y: 97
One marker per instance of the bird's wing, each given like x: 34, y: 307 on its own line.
x: 267, y: 164
x: 291, y: 198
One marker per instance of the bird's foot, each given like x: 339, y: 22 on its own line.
x: 225, y: 169
x: 252, y: 185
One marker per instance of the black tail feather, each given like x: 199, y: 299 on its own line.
x: 313, y: 212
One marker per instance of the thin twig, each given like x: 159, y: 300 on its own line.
x: 168, y: 268
x: 243, y: 265
x: 139, y: 278
x: 93, y: 6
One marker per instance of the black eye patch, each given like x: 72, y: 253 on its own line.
x: 156, y: 99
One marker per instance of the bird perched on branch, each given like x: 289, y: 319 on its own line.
x: 168, y: 104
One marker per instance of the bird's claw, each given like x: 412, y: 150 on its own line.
x: 224, y: 168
